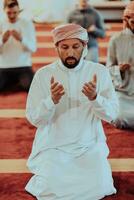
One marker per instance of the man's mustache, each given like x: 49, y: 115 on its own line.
x: 68, y: 58
x: 132, y: 21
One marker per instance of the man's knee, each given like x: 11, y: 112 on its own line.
x: 124, y: 123
x: 25, y: 80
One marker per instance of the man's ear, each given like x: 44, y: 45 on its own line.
x: 84, y: 44
x: 57, y: 44
x: 21, y: 10
x: 56, y: 48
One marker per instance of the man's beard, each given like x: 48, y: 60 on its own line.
x: 131, y: 29
x: 12, y: 20
x: 69, y: 64
x: 130, y: 25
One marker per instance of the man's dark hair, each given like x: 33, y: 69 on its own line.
x: 10, y: 3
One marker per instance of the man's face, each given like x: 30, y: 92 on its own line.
x: 130, y: 21
x: 83, y: 4
x: 12, y: 13
x: 70, y: 52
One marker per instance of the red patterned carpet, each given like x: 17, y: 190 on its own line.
x: 16, y: 140
x: 13, y: 100
x: 120, y: 142
x: 124, y: 183
x: 16, y: 134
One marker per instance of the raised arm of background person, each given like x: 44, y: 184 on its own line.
x: 99, y: 23
x: 112, y: 62
x: 1, y: 38
x: 70, y: 17
x: 28, y: 36
x: 40, y: 107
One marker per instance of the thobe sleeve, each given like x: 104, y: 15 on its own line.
x: 71, y: 17
x: 99, y: 31
x: 112, y: 63
x: 40, y: 107
x: 106, y: 106
x: 29, y: 37
x: 1, y: 37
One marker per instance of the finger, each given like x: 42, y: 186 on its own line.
x: 56, y: 87
x: 93, y: 85
x: 89, y: 92
x: 59, y: 95
x: 13, y: 32
x: 52, y: 80
x: 6, y: 34
x: 85, y: 92
x: 127, y: 66
x: 62, y: 93
x: 90, y: 87
x: 9, y: 33
x: 57, y: 91
x: 85, y: 88
x: 90, y: 96
x: 94, y: 81
x: 124, y: 67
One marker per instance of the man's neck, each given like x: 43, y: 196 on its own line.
x: 132, y: 30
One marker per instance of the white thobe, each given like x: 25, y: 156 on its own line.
x: 69, y: 154
x: 14, y: 53
x: 121, y: 48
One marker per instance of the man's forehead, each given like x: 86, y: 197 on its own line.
x: 130, y: 16
x: 70, y: 41
x: 14, y: 8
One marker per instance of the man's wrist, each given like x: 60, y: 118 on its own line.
x: 93, y: 98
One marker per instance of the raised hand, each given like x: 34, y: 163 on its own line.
x: 89, y: 89
x: 16, y: 35
x: 91, y: 28
x: 124, y: 66
x: 6, y: 36
x: 57, y: 91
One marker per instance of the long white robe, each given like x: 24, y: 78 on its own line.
x: 69, y: 154
x: 121, y: 50
x: 14, y: 53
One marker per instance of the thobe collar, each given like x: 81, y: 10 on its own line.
x: 78, y: 67
x: 12, y: 24
x: 63, y: 67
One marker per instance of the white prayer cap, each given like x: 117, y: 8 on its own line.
x: 70, y: 31
x: 129, y: 10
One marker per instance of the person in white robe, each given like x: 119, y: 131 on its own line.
x: 120, y: 61
x: 66, y: 102
x: 17, y: 43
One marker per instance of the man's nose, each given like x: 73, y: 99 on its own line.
x: 11, y: 15
x: 70, y: 52
x: 132, y: 22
